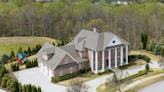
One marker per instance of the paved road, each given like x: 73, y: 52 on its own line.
x: 156, y: 87
x: 36, y: 77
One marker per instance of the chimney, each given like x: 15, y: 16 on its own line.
x: 95, y: 29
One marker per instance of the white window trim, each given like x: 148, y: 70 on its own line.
x: 66, y: 60
x: 70, y: 69
x: 60, y: 72
x: 79, y: 66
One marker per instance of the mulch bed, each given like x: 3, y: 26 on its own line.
x: 5, y: 89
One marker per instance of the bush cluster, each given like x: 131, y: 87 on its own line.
x: 32, y: 63
x: 65, y: 77
x: 84, y: 70
x: 15, y: 66
x: 31, y: 88
x: 135, y: 75
x: 139, y: 56
x: 99, y: 73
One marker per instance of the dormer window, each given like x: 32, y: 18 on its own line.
x: 45, y: 56
x: 114, y: 41
x: 84, y: 53
x: 66, y: 60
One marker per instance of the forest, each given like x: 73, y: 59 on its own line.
x: 63, y: 20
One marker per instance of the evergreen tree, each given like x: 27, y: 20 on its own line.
x: 147, y: 44
x: 29, y: 50
x: 12, y: 54
x: 20, y: 87
x: 3, y: 70
x: 24, y: 88
x: 62, y: 43
x: 20, y: 50
x: 59, y: 44
x: 157, y: 49
x: 14, y: 86
x: 147, y: 67
x: 162, y: 52
x: 53, y: 43
x: 34, y: 89
x: 39, y: 89
x: 8, y: 83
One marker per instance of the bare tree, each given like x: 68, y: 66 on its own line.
x: 114, y: 83
x: 161, y: 62
x: 77, y: 85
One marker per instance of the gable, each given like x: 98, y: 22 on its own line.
x: 115, y: 41
x: 69, y: 60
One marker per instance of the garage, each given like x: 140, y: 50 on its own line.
x: 41, y: 65
x: 50, y: 73
x: 46, y: 69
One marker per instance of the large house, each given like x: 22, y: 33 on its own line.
x: 99, y: 51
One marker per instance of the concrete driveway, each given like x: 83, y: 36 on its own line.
x: 36, y: 77
x: 156, y: 87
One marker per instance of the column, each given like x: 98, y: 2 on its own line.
x: 96, y: 58
x: 126, y: 54
x: 121, y: 61
x: 102, y: 60
x: 92, y: 61
x: 115, y: 57
x: 109, y: 59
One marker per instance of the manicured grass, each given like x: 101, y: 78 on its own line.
x: 90, y: 77
x: 144, y: 84
x: 138, y: 63
x: 153, y: 57
x: 154, y: 71
x: 13, y: 43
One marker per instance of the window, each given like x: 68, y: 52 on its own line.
x: 118, y: 58
x: 84, y: 53
x: 118, y: 49
x: 66, y: 60
x: 45, y: 56
x: 113, y: 50
x: 113, y: 58
x: 60, y: 74
x: 114, y: 41
x: 70, y: 69
x: 79, y: 66
x: 107, y: 52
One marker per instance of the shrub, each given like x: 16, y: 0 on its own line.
x: 99, y: 73
x: 157, y: 49
x: 39, y: 89
x: 109, y: 70
x: 52, y: 79
x: 34, y: 89
x: 147, y: 67
x: 90, y: 72
x: 20, y: 87
x: 8, y: 84
x: 4, y: 81
x: 14, y: 86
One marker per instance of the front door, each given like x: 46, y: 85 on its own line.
x: 107, y: 62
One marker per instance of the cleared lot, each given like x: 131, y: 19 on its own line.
x: 35, y: 76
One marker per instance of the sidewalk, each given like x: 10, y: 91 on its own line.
x: 140, y: 81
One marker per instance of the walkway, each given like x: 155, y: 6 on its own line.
x: 141, y: 81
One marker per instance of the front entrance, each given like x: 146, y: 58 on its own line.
x: 107, y: 62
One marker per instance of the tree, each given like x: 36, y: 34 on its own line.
x: 53, y: 43
x: 34, y: 89
x: 147, y: 67
x: 20, y: 50
x: 77, y: 85
x: 29, y: 50
x: 3, y: 70
x: 162, y: 52
x: 12, y: 54
x: 114, y: 83
x: 4, y: 81
x: 20, y: 87
x: 39, y: 89
x: 4, y: 57
x: 14, y: 86
x: 157, y: 49
x: 8, y: 84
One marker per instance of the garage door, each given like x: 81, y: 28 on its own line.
x: 41, y: 64
x: 50, y: 72
x: 46, y: 70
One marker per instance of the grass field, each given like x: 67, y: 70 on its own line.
x: 13, y: 43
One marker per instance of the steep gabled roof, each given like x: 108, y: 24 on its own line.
x: 50, y: 50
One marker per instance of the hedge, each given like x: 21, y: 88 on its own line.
x: 32, y: 63
x: 65, y: 77
x: 83, y: 70
x: 142, y: 72
x: 139, y: 56
x: 99, y: 73
x: 15, y: 66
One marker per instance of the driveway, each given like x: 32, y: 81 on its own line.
x: 156, y: 87
x: 36, y: 77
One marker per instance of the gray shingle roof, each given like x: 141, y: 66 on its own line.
x: 55, y: 59
x: 50, y: 50
x: 80, y: 46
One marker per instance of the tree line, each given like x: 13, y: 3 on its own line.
x: 63, y: 20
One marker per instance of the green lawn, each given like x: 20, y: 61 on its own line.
x: 13, y: 43
x: 102, y: 87
x: 153, y: 57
